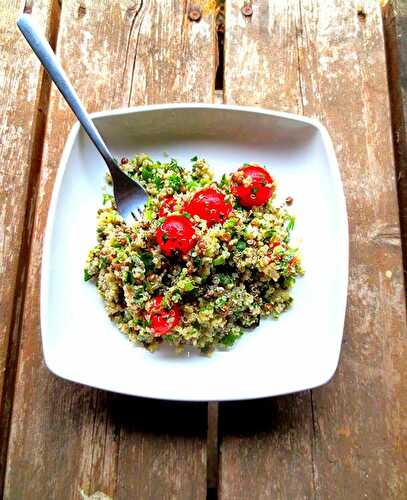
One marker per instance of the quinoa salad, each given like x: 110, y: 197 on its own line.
x: 208, y: 260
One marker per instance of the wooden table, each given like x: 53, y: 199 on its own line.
x: 322, y: 58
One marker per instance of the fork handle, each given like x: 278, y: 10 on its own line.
x: 45, y: 54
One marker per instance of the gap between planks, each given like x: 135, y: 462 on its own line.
x: 395, y: 36
x: 213, y: 407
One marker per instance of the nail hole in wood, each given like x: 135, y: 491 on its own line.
x: 28, y: 7
x: 247, y: 9
x: 362, y: 14
x: 81, y: 11
x: 194, y: 13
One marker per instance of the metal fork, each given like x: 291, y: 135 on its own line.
x: 129, y: 196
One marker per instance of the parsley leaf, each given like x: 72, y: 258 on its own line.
x: 241, y: 245
x: 147, y: 259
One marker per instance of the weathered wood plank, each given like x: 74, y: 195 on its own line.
x: 266, y: 448
x: 21, y: 127
x: 269, y: 77
x: 329, y: 56
x: 69, y: 437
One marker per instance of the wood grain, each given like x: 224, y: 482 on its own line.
x: 273, y: 456
x: 327, y: 58
x: 21, y: 87
x: 69, y: 437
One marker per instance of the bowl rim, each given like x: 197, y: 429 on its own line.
x: 51, y: 219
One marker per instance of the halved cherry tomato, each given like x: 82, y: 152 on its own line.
x: 162, y: 321
x: 260, y: 189
x: 176, y: 234
x: 210, y: 205
x: 167, y: 206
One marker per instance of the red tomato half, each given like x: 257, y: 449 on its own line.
x: 167, y: 206
x: 210, y: 205
x: 176, y: 234
x: 162, y: 321
x: 258, y: 192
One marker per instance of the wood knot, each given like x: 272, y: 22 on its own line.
x: 28, y: 7
x: 247, y: 9
x: 194, y: 13
x: 81, y: 11
x: 132, y: 10
x: 362, y: 14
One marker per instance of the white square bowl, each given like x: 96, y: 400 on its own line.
x: 297, y: 352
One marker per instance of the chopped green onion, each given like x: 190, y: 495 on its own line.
x: 230, y: 223
x: 291, y: 223
x: 219, y: 261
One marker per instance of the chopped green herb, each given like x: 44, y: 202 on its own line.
x: 229, y: 340
x: 220, y: 302
x: 186, y: 285
x: 165, y: 237
x: 291, y: 222
x: 230, y: 223
x: 147, y: 173
x: 138, y: 294
x: 149, y: 214
x: 129, y: 278
x: 219, y: 261
x: 158, y: 182
x: 147, y: 259
x: 107, y: 198
x: 115, y: 244
x: 225, y: 279
x: 288, y: 282
x: 175, y: 182
x: 103, y: 262
x: 86, y: 275
x: 187, y: 215
x: 194, y: 158
x: 241, y: 245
